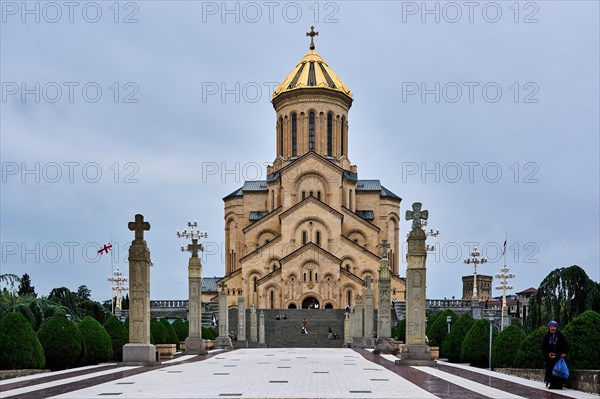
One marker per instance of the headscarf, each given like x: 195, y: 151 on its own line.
x: 553, y: 338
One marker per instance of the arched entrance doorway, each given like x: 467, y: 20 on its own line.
x: 310, y: 303
x: 328, y: 306
x: 292, y: 306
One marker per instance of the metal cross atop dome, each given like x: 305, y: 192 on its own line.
x: 312, y: 34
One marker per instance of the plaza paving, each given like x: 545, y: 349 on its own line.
x: 281, y: 373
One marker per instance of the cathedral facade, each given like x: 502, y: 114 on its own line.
x: 309, y: 235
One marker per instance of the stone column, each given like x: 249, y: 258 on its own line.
x: 253, y: 326
x: 241, y: 317
x: 139, y: 351
x: 384, y: 341
x: 194, y: 344
x: 261, y: 329
x: 347, y: 337
x: 223, y: 340
x: 368, y: 310
x: 416, y: 351
x: 358, y: 317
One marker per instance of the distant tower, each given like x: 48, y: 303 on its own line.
x: 484, y: 287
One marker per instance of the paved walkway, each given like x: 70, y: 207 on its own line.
x: 281, y: 373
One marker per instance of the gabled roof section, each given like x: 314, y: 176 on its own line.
x: 268, y: 276
x: 375, y: 256
x: 209, y: 284
x: 375, y: 185
x: 363, y: 221
x: 263, y: 219
x: 253, y: 185
x: 256, y: 252
x: 307, y: 247
x: 310, y: 199
x: 311, y: 154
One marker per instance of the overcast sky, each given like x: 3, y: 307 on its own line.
x: 486, y: 112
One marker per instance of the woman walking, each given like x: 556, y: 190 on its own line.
x: 555, y: 347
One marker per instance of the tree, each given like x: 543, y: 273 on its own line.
x: 451, y: 346
x: 562, y: 295
x: 9, y: 279
x: 119, y: 336
x: 159, y: 332
x: 98, y: 345
x: 583, y: 336
x: 399, y: 331
x: 181, y: 329
x: 25, y: 287
x: 19, y: 346
x: 62, y: 342
x: 529, y: 355
x: 475, y: 348
x: 172, y: 335
x: 439, y: 328
x: 84, y: 292
x: 505, y: 347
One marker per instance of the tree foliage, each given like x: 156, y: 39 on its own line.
x: 529, y: 355
x: 451, y: 346
x: 19, y: 345
x: 181, y: 329
x: 9, y: 279
x: 171, y: 334
x: 98, y: 345
x: 159, y: 332
x: 399, y: 331
x: 439, y: 329
x: 25, y: 287
x: 62, y: 342
x: 505, y: 347
x: 562, y: 295
x: 475, y: 348
x: 119, y: 336
x: 583, y: 336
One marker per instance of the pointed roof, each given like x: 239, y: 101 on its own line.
x: 312, y: 72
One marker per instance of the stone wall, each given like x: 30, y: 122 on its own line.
x: 581, y: 380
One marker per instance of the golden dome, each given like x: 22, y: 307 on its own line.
x: 312, y: 72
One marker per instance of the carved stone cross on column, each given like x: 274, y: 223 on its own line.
x: 384, y: 247
x: 194, y: 247
x: 139, y: 226
x: 416, y: 215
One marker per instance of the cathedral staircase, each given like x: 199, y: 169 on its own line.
x: 286, y: 333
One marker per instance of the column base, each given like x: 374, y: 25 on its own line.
x: 415, y: 355
x: 194, y: 346
x: 140, y: 355
x: 223, y: 343
x: 385, y: 345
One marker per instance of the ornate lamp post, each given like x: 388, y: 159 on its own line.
x: 475, y: 260
x: 118, y: 285
x: 503, y: 285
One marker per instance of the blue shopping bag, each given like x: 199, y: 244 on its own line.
x: 560, y: 369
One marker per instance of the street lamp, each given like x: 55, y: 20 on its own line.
x: 475, y: 260
x: 490, y: 352
x: 448, y: 320
x: 194, y: 234
x: 504, y: 286
x: 118, y: 285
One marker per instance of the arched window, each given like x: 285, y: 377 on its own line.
x: 305, y: 276
x: 311, y: 194
x: 272, y: 299
x: 303, y: 195
x: 329, y: 134
x: 349, y: 297
x: 347, y: 267
x: 311, y: 131
x: 304, y: 237
x: 318, y: 238
x: 316, y: 276
x: 294, y: 135
x: 254, y: 283
x: 310, y: 275
x: 274, y: 266
x: 281, y: 136
x: 319, y: 195
x: 342, y: 135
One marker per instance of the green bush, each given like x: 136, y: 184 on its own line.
x: 451, y: 346
x: 209, y: 333
x: 98, y: 345
x: 399, y: 331
x: 119, y: 336
x: 158, y: 332
x: 475, y: 348
x: 439, y: 328
x: 181, y: 329
x: 529, y: 355
x: 171, y: 334
x: 583, y: 336
x: 62, y: 342
x: 19, y: 346
x: 505, y: 347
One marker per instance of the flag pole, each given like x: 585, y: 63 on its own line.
x: 504, y: 308
x: 112, y: 286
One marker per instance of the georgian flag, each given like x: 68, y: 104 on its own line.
x: 105, y: 248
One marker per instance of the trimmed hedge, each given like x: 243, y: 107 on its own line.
x: 505, y: 347
x: 62, y: 342
x: 439, y: 328
x: 583, y: 336
x: 209, y: 333
x: 475, y: 348
x: 399, y: 331
x: 181, y: 329
x: 452, y: 344
x: 119, y: 336
x: 171, y: 334
x: 19, y: 346
x: 158, y: 332
x: 98, y: 345
x: 529, y: 355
